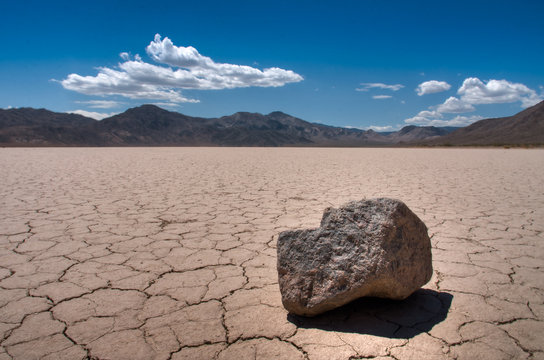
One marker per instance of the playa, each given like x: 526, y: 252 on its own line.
x: 159, y: 253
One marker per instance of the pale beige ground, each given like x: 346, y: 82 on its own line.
x: 158, y: 253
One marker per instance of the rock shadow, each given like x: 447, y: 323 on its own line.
x: 403, y: 319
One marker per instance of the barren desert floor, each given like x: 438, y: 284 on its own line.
x: 169, y: 253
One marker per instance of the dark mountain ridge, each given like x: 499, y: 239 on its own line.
x: 38, y: 127
x: 29, y: 116
x: 411, y: 133
x: 149, y: 125
x: 523, y: 128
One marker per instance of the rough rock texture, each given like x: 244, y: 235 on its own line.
x: 372, y: 247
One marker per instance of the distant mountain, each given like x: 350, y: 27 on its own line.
x: 524, y: 128
x: 412, y: 133
x: 32, y: 117
x: 40, y: 127
x: 149, y: 125
x: 152, y: 126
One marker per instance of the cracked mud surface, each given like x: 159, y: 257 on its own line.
x: 169, y: 253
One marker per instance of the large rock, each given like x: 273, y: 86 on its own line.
x: 375, y: 247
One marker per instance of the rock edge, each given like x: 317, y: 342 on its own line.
x: 375, y: 247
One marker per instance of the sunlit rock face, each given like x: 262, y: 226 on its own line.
x: 375, y: 247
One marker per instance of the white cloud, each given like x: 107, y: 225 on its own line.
x: 380, y: 97
x: 458, y: 121
x: 375, y: 127
x: 368, y: 86
x: 423, y: 116
x: 92, y: 114
x: 431, y: 87
x: 383, y: 128
x: 214, y: 75
x: 166, y: 104
x: 100, y: 104
x: 136, y: 79
x: 454, y: 105
x: 435, y: 118
x: 475, y: 91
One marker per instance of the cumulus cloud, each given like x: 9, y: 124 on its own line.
x: 435, y: 118
x: 475, y: 91
x: 166, y: 104
x: 214, y: 75
x: 431, y: 87
x: 377, y: 128
x: 383, y: 128
x: 380, y: 97
x: 454, y: 105
x: 100, y: 104
x: 368, y: 86
x: 134, y: 80
x: 92, y: 114
x: 188, y: 69
x: 423, y: 117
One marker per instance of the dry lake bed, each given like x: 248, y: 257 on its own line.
x: 169, y: 253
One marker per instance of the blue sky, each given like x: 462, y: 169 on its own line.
x: 380, y: 64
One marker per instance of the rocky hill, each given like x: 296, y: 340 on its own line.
x: 149, y: 125
x: 412, y: 133
x: 40, y: 127
x: 524, y: 128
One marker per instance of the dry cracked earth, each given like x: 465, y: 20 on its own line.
x: 169, y: 253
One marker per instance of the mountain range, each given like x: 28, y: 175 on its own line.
x: 524, y: 128
x: 149, y: 125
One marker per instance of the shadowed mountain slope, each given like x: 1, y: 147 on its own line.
x: 409, y: 134
x: 149, y: 125
x: 524, y: 128
x: 41, y: 127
